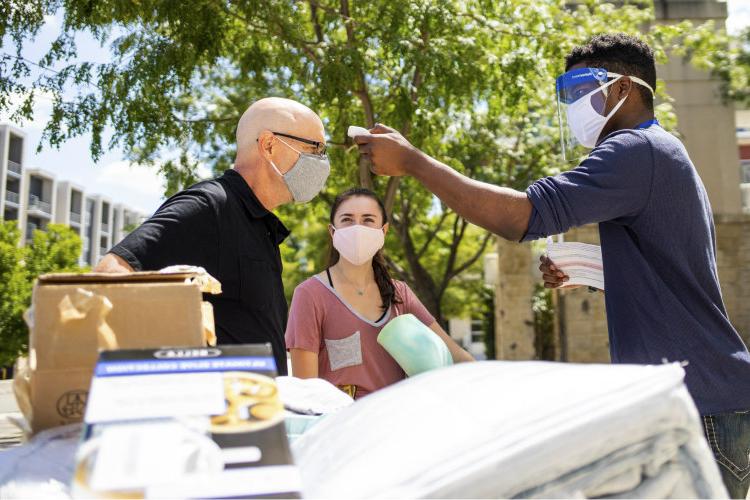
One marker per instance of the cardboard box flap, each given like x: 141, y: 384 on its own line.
x: 110, y: 278
x: 206, y: 282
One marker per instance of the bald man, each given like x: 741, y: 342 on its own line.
x: 225, y: 225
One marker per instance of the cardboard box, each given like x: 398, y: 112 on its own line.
x: 185, y: 423
x: 74, y: 316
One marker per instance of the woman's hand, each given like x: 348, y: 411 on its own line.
x: 458, y: 354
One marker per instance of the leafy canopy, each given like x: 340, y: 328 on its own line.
x: 468, y: 81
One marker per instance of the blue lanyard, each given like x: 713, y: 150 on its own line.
x: 647, y: 123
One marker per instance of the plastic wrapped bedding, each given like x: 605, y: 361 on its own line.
x: 516, y: 430
x: 42, y: 467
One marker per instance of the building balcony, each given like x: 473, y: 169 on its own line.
x: 12, y: 197
x: 75, y: 218
x: 14, y: 167
x: 40, y: 206
x: 102, y: 251
x: 105, y: 228
x: 30, y: 228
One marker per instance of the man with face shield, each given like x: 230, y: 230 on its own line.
x: 583, y: 111
x: 226, y: 226
x: 638, y: 183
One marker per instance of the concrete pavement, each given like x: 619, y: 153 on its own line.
x: 10, y: 435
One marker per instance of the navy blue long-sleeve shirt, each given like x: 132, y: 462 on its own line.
x: 659, y: 252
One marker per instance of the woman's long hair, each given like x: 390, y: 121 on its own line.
x: 382, y: 277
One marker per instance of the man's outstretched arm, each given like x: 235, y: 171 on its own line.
x: 501, y: 210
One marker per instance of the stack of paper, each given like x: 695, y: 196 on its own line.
x: 580, y: 261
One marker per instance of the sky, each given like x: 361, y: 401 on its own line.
x: 113, y: 176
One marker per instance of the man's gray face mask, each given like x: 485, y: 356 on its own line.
x: 307, y: 177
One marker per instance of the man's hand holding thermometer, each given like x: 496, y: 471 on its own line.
x: 355, y: 131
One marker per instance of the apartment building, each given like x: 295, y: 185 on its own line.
x: 39, y: 198
x: 36, y: 198
x: 12, y: 180
x: 124, y: 220
x: 102, y: 240
x: 69, y: 206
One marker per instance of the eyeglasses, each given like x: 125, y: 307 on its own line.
x: 320, y: 147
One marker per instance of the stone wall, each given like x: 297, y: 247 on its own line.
x: 733, y: 259
x: 514, y: 327
x: 584, y: 337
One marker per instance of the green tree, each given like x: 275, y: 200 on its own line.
x: 725, y: 56
x: 14, y: 294
x: 54, y: 250
x: 468, y: 81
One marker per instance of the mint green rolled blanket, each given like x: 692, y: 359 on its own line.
x: 414, y: 346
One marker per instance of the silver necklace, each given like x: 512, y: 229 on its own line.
x: 359, y: 291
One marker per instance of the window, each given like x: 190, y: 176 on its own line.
x: 36, y: 187
x: 105, y: 213
x: 745, y: 171
x: 75, y: 202
x: 477, y: 330
x: 15, y: 149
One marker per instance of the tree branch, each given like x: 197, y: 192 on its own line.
x: 433, y: 233
x: 28, y: 61
x: 303, y: 45
x: 331, y: 10
x: 390, y: 194
x: 458, y: 236
x: 403, y: 273
x: 316, y: 23
x: 206, y: 119
x: 394, y: 182
x: 421, y: 277
x: 466, y: 265
x: 365, y: 176
x: 503, y: 31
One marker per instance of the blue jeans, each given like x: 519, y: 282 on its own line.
x: 728, y: 436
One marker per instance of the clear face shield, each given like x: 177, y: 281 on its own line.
x: 581, y: 108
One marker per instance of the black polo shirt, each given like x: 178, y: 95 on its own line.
x: 221, y: 226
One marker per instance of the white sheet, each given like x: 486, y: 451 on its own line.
x: 515, y: 429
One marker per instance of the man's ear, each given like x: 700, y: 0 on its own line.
x: 266, y: 143
x: 624, y: 87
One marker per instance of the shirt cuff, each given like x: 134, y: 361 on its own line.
x: 532, y: 231
x: 128, y: 257
x: 295, y: 344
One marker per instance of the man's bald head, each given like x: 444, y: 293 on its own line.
x: 276, y: 114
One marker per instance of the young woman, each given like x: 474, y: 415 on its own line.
x: 336, y: 316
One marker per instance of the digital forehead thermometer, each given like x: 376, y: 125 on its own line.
x: 355, y: 131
